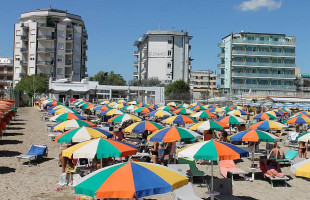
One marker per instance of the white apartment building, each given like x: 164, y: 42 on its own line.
x: 51, y: 42
x: 6, y: 72
x: 203, y: 83
x: 163, y: 54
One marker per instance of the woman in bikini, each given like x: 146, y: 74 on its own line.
x: 303, y: 148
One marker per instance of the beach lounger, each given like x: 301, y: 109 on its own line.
x: 183, y: 169
x: 192, y: 165
x: 185, y: 193
x: 229, y: 166
x: 272, y: 179
x: 290, y: 155
x: 35, y: 152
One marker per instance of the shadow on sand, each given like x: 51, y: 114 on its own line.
x: 12, y: 134
x: 5, y: 142
x: 14, y: 128
x: 7, y: 153
x: 6, y: 170
x: 17, y: 124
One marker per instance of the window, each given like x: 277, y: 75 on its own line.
x: 60, y: 58
x: 17, y: 57
x: 261, y: 38
x: 18, y: 32
x: 59, y: 71
x: 33, y: 32
x: 31, y: 57
x: 169, y: 53
x: 275, y: 39
x: 60, y: 45
x: 169, y: 41
x: 18, y: 45
x: 32, y: 44
x: 169, y: 65
x: 61, y: 34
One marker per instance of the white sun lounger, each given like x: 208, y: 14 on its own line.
x: 185, y: 193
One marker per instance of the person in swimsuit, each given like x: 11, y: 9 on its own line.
x: 271, y: 167
x: 275, y: 153
x: 154, y: 151
x: 303, y: 148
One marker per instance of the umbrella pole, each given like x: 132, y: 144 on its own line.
x: 101, y: 163
x: 212, y: 193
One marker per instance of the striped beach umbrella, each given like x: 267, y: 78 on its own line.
x: 204, y: 114
x: 133, y: 103
x: 130, y: 108
x: 159, y: 113
x: 303, y: 137
x: 180, y: 119
x: 198, y: 108
x: 153, y: 106
x: 119, y: 106
x: 264, y: 116
x: 143, y: 110
x: 142, y: 105
x: 207, y: 125
x: 214, y: 110
x: 210, y: 106
x: 267, y: 125
x: 102, y: 108
x: 302, y: 112
x: 130, y: 180
x: 167, y: 108
x: 101, y: 148
x: 124, y: 117
x: 302, y: 168
x: 174, y: 104
x: 121, y: 101
x: 197, y: 103
x: 238, y: 112
x: 105, y: 102
x: 70, y: 124
x: 231, y: 120
x: 111, y: 112
x: 140, y: 127
x: 173, y: 134
x: 183, y: 105
x: 62, y: 110
x: 298, y: 120
x: 82, y: 134
x: 183, y: 111
x: 228, y: 108
x: 66, y: 116
x: 253, y: 136
x: 275, y: 113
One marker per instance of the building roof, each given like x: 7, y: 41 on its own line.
x: 50, y: 12
x: 253, y: 33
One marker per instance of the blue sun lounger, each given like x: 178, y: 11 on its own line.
x: 35, y: 152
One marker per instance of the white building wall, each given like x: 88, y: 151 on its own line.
x: 227, y: 81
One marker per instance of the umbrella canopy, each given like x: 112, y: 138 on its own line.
x: 172, y: 104
x: 5, y: 107
x: 142, y: 105
x: 215, y: 110
x: 130, y: 108
x: 70, y: 124
x: 197, y: 103
x: 140, y: 127
x: 183, y: 111
x: 228, y: 108
x: 302, y: 112
x: 111, y: 112
x: 52, y: 103
x: 159, y: 113
x: 119, y: 106
x: 207, y: 125
x: 253, y: 136
x: 237, y: 112
x: 205, y: 115
x: 82, y: 134
x: 275, y: 113
x: 133, y: 103
x: 198, y: 108
x: 231, y: 120
x: 92, y: 106
x: 112, y: 104
x: 66, y: 116
x: 180, y: 119
x: 298, y: 120
x: 55, y: 107
x: 62, y: 110
x: 212, y: 150
x: 167, y: 108
x: 264, y: 116
x: 303, y: 137
x: 183, y: 105
x: 173, y: 134
x: 211, y: 106
x: 143, y: 110
x: 124, y: 117
x: 153, y: 106
x: 105, y: 102
x: 267, y: 125
x: 138, y: 179
x: 121, y: 101
x: 102, y: 108
x: 302, y: 168
x: 101, y: 148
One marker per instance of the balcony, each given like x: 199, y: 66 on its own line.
x: 46, y: 50
x: 261, y: 75
x: 221, y: 75
x: 264, y: 42
x: 42, y: 62
x: 69, y: 51
x: 135, y: 74
x: 24, y: 50
x: 67, y: 75
x: 221, y: 65
x: 85, y: 33
x: 264, y: 87
x: 68, y: 63
x: 135, y: 64
x: 221, y: 55
x: 85, y: 46
x: 136, y: 53
x: 46, y: 37
x: 24, y: 37
x: 263, y: 64
x: 264, y: 53
x: 221, y: 45
x: 47, y: 25
x: 23, y: 62
x: 69, y: 39
x: 304, y: 88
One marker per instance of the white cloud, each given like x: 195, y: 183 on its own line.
x: 258, y: 4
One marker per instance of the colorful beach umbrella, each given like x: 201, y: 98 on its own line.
x: 174, y: 104
x: 207, y: 125
x: 197, y: 103
x: 173, y: 134
x: 204, y: 114
x: 66, y: 116
x: 124, y: 117
x: 302, y: 168
x: 105, y: 102
x: 119, y: 106
x: 102, y: 108
x: 198, y: 108
x: 143, y: 110
x: 264, y: 116
x: 210, y: 106
x: 237, y: 112
x: 298, y: 120
x: 231, y: 120
x: 121, y: 101
x: 183, y: 111
x: 82, y: 134
x: 167, y: 108
x: 214, y: 110
x: 183, y: 105
x: 180, y: 119
x: 253, y: 136
x: 140, y: 127
x: 130, y: 108
x: 228, y: 108
x: 111, y: 112
x: 101, y: 148
x: 70, y: 124
x: 267, y: 125
x: 159, y: 113
x: 275, y: 113
x: 305, y: 137
x: 142, y: 105
x: 130, y: 180
x: 133, y: 103
x: 153, y: 106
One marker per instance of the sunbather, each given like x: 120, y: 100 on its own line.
x: 275, y: 153
x: 70, y: 169
x: 271, y: 167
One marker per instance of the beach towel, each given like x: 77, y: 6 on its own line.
x: 227, y: 165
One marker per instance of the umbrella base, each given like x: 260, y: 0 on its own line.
x: 212, y: 193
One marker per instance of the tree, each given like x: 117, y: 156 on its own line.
x: 34, y: 83
x: 153, y: 81
x: 178, y: 90
x: 108, y: 78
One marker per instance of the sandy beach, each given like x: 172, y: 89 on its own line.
x: 39, y: 181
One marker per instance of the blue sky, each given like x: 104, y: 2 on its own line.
x: 114, y: 25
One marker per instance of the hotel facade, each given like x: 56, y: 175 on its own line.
x: 163, y: 54
x: 258, y: 63
x: 52, y: 42
x: 6, y: 73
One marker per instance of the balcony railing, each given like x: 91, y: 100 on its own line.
x: 69, y: 50
x: 46, y: 50
x: 69, y: 39
x: 68, y: 63
x: 24, y: 37
x: 265, y: 42
x: 135, y: 63
x: 46, y: 37
x: 50, y: 25
x: 23, y: 50
x: 67, y: 75
x: 221, y: 44
x: 23, y: 62
x: 304, y: 88
x: 264, y: 53
x: 264, y: 64
x: 135, y: 73
x: 42, y: 62
x: 248, y: 86
x: 221, y: 65
x: 263, y: 75
x: 135, y: 53
x: 85, y: 46
x: 221, y: 55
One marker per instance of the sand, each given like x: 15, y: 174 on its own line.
x: 20, y: 181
